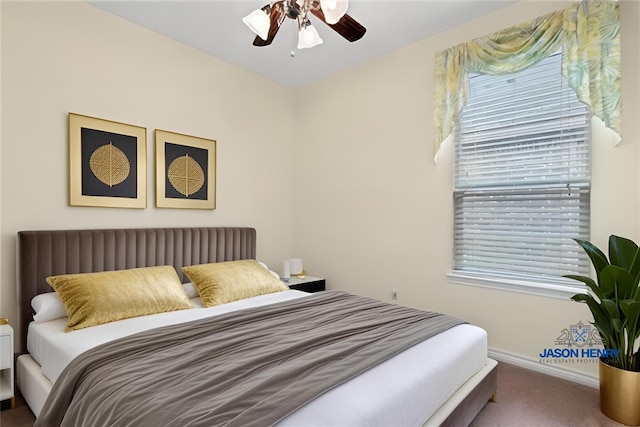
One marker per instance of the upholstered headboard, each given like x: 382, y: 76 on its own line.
x: 53, y: 252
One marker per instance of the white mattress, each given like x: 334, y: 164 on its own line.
x: 405, y: 390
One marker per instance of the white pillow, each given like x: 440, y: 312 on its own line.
x: 196, y: 302
x: 48, y: 306
x: 277, y: 276
x: 190, y: 290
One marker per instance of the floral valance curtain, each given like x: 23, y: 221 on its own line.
x: 588, y: 33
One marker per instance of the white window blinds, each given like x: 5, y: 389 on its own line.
x: 522, y: 177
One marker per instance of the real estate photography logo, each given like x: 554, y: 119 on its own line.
x: 579, y: 343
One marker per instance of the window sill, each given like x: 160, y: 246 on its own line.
x: 549, y: 290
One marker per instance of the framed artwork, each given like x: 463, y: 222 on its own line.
x: 107, y: 163
x: 185, y: 171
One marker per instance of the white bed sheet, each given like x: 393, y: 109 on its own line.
x: 405, y: 390
x: 53, y: 348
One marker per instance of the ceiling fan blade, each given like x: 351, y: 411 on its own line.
x: 276, y: 17
x: 347, y: 27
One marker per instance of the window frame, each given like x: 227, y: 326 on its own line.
x: 549, y: 286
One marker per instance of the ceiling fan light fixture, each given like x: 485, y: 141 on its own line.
x: 308, y: 37
x: 259, y: 22
x: 329, y: 12
x: 334, y: 10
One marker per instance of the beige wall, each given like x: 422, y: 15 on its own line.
x: 363, y: 203
x: 2, y: 311
x: 372, y: 212
x: 61, y: 57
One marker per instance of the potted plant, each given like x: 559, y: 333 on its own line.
x: 614, y: 302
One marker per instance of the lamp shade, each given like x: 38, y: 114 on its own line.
x: 259, y: 22
x: 333, y: 9
x: 295, y: 266
x: 308, y: 37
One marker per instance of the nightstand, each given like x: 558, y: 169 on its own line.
x: 308, y: 284
x: 6, y: 364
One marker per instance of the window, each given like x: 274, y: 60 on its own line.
x: 522, y: 182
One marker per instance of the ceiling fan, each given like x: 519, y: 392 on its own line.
x: 266, y: 22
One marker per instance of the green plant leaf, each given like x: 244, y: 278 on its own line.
x: 591, y: 284
x: 634, y: 270
x: 631, y: 310
x: 598, y: 258
x: 622, y: 252
x: 601, y: 319
x: 608, y: 337
x: 626, y: 254
x: 616, y: 313
x: 607, y: 279
x: 611, y: 307
x: 623, y: 284
x: 617, y: 325
x: 584, y: 298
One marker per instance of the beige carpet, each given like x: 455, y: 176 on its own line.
x: 525, y: 399
x: 530, y: 399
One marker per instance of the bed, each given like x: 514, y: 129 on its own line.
x: 401, y: 389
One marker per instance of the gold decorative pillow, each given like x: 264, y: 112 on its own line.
x: 223, y: 282
x: 94, y: 298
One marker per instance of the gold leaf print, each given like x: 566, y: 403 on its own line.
x: 185, y: 175
x: 109, y: 164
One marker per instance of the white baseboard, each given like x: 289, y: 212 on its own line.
x: 554, y: 371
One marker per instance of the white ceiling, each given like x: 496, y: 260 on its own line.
x: 215, y: 27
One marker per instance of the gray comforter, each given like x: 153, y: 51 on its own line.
x: 247, y: 368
